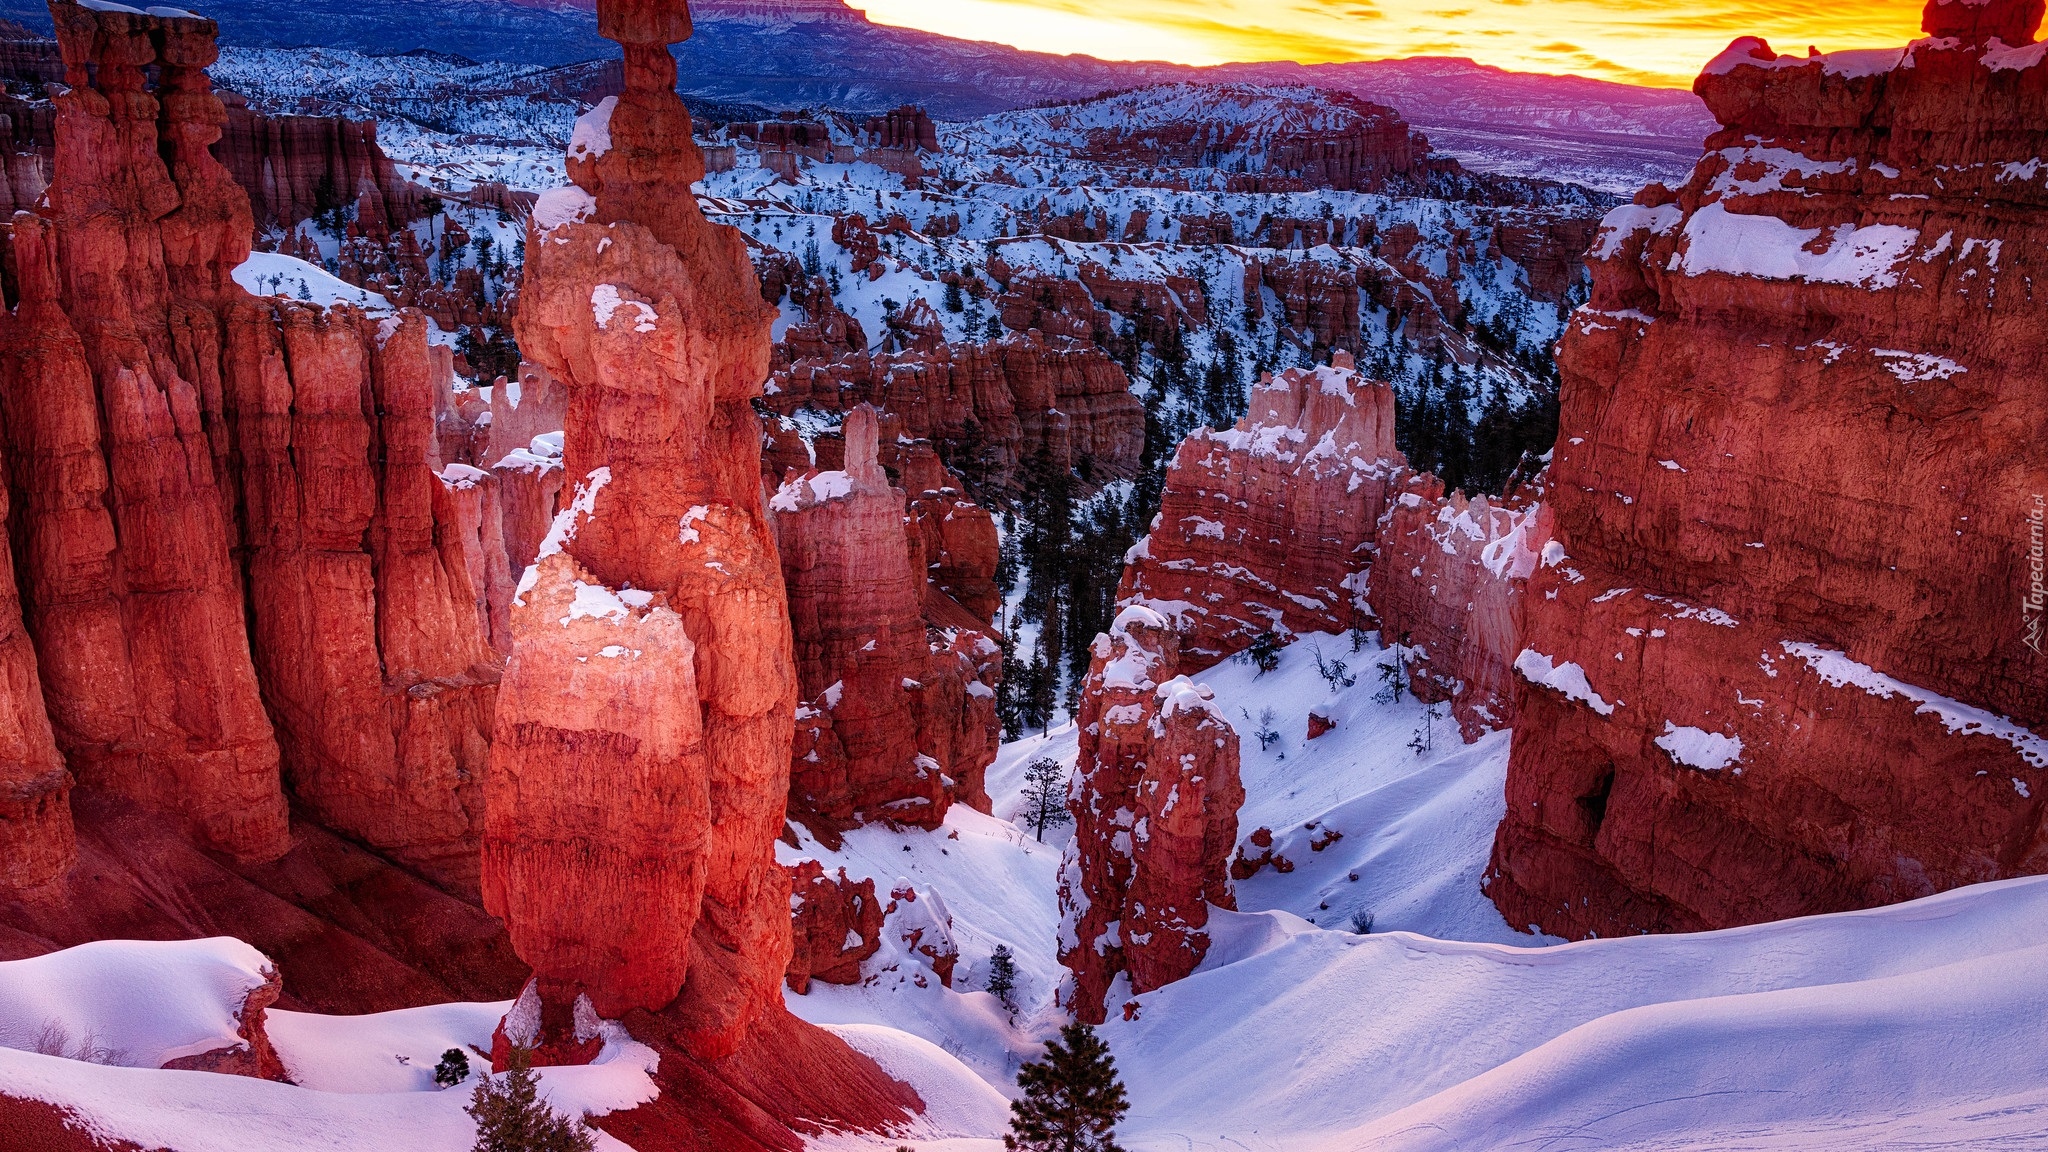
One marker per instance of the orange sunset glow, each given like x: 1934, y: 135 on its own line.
x: 1634, y: 41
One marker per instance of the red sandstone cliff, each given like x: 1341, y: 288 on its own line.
x: 1154, y: 799
x: 1447, y: 582
x: 988, y: 407
x: 898, y: 714
x: 640, y: 770
x: 1780, y: 661
x: 1269, y: 526
x: 296, y: 167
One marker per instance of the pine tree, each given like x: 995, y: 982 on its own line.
x: 511, y: 1117
x: 1002, y: 975
x: 1045, y: 795
x: 1072, y: 1098
x: 453, y: 1068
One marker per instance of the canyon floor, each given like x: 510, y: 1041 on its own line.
x: 1912, y: 1026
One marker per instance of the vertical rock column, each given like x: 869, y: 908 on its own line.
x: 856, y: 607
x: 641, y: 757
x: 1155, y: 799
x: 128, y: 584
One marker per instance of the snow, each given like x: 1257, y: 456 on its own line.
x: 1717, y: 240
x: 1837, y: 670
x: 362, y: 1083
x: 142, y: 1001
x: 1918, y: 367
x: 1567, y: 678
x: 559, y: 206
x: 1628, y: 220
x: 276, y: 274
x: 605, y: 302
x: 592, y: 136
x: 1699, y: 748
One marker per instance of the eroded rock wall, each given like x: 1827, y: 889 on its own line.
x: 1270, y: 526
x: 1786, y: 658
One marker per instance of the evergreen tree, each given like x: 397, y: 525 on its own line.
x: 955, y: 301
x: 511, y: 1117
x: 1002, y: 975
x: 453, y: 1068
x: 1072, y: 1098
x: 1045, y: 795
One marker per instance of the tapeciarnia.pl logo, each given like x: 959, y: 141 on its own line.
x: 2034, y: 601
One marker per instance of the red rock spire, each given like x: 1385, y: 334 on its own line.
x: 641, y: 759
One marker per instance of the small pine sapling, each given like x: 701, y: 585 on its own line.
x: 1002, y: 975
x: 453, y: 1068
x: 1045, y: 795
x: 511, y: 1117
x: 1266, y: 652
x: 1335, y: 670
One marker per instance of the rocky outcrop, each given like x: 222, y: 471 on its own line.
x: 989, y: 408
x: 639, y: 772
x: 36, y: 837
x: 296, y: 167
x: 123, y: 509
x: 836, y: 923
x: 898, y: 716
x: 1784, y: 658
x: 371, y: 569
x: 1447, y: 584
x: 255, y: 1056
x: 1154, y: 801
x: 1270, y: 526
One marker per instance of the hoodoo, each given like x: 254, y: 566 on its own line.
x: 1155, y: 816
x: 641, y: 763
x: 1777, y: 660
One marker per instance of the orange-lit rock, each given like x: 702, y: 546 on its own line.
x: 1781, y: 661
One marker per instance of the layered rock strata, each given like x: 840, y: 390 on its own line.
x: 989, y: 408
x: 1270, y: 526
x: 898, y: 714
x: 1785, y: 656
x: 1154, y: 800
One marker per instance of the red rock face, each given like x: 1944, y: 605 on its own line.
x: 1155, y: 801
x: 114, y: 405
x: 857, y: 613
x: 837, y: 925
x: 295, y: 167
x: 1267, y: 527
x: 36, y: 837
x: 370, y: 574
x: 898, y: 714
x: 1781, y: 661
x: 988, y: 407
x: 1448, y: 583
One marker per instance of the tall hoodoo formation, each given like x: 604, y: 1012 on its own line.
x: 876, y: 733
x: 115, y: 410
x: 1154, y: 799
x: 1785, y: 656
x: 1269, y: 526
x: 641, y: 760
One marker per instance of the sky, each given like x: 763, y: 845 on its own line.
x: 1656, y: 42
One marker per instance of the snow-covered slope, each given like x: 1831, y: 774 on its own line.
x: 1903, y: 1026
x: 1913, y: 1026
